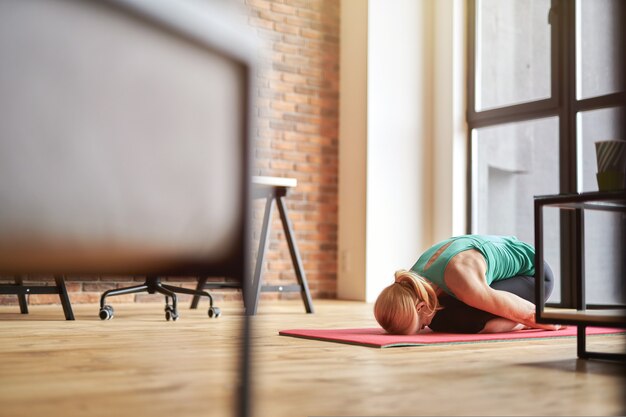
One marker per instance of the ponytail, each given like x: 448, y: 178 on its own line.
x: 423, y: 289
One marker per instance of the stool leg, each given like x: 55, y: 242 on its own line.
x: 263, y: 239
x: 196, y: 298
x: 295, y: 255
x: 65, y: 299
x: 22, y: 297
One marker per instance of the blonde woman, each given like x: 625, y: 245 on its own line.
x: 465, y: 284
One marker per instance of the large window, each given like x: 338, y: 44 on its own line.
x: 546, y: 81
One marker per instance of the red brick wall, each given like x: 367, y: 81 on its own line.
x: 298, y: 128
x: 297, y: 125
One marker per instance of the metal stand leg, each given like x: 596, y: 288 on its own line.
x: 188, y: 291
x: 295, y: 255
x: 583, y: 353
x: 65, y: 299
x: 168, y: 293
x: 153, y: 285
x: 119, y: 291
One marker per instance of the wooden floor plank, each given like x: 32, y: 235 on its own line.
x: 140, y: 365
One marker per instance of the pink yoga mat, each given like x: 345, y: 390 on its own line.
x: 378, y: 338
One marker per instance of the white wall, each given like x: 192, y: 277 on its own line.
x: 399, y: 139
x: 449, y: 123
x: 352, y: 149
x: 398, y: 146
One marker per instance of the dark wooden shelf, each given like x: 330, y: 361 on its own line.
x: 581, y: 316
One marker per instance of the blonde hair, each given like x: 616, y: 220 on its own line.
x: 395, y: 308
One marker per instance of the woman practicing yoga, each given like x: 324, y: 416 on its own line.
x: 466, y: 284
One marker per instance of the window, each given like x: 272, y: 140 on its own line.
x: 545, y: 82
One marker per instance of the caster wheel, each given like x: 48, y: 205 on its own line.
x: 214, y: 312
x: 106, y: 313
x: 170, y: 314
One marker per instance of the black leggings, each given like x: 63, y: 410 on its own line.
x: 458, y: 317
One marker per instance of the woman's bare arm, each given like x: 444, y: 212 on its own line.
x: 466, y: 278
x: 504, y: 304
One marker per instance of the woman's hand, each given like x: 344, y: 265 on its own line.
x: 547, y: 326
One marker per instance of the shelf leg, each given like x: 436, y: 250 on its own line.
x: 581, y: 339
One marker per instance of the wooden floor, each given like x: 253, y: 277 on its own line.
x: 140, y: 365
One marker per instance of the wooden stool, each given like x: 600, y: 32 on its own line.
x: 271, y: 188
x: 22, y: 291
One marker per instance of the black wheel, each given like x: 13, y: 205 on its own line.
x: 171, y: 314
x: 106, y: 313
x: 214, y: 312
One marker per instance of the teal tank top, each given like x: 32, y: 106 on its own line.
x: 506, y: 257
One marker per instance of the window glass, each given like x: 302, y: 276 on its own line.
x: 511, y: 164
x: 512, y: 52
x: 604, y: 231
x: 594, y: 126
x: 605, y: 263
x: 599, y: 69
